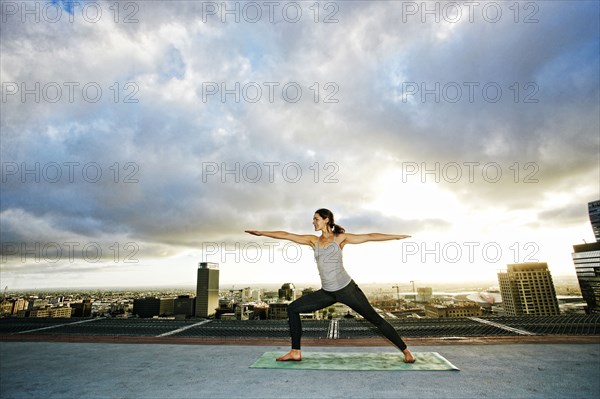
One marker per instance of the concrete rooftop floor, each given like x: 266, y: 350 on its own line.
x: 124, y: 370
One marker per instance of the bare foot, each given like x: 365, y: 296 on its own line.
x: 408, y: 357
x: 293, y: 355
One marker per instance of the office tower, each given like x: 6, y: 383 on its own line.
x: 207, y: 289
x: 594, y: 212
x: 527, y: 289
x: 287, y: 292
x: 586, y: 258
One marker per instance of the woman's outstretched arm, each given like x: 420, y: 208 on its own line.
x: 306, y: 239
x: 360, y: 238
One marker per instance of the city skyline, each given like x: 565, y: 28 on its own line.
x: 476, y: 133
x: 406, y: 287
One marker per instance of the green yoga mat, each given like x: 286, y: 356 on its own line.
x: 355, y: 361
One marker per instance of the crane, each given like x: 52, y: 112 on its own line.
x: 397, y: 287
x: 4, y: 293
x: 413, y: 285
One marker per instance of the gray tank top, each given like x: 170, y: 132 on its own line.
x: 331, y: 268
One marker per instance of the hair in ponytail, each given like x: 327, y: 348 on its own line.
x: 327, y: 214
x: 337, y: 229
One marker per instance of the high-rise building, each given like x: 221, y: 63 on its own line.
x: 594, y: 212
x: 586, y: 258
x: 527, y: 289
x: 207, y: 289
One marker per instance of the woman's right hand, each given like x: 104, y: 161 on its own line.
x: 254, y: 232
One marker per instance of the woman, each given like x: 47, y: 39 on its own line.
x: 337, y: 285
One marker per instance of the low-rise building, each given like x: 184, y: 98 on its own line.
x: 39, y: 313
x: 184, y: 305
x: 82, y: 309
x: 146, y: 307
x: 63, y: 311
x: 278, y: 310
x: 463, y: 309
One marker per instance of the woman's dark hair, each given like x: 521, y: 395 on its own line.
x: 327, y: 214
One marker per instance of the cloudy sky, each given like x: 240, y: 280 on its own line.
x: 142, y: 137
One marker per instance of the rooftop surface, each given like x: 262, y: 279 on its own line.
x: 103, y: 370
x: 509, y: 326
x: 511, y: 357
